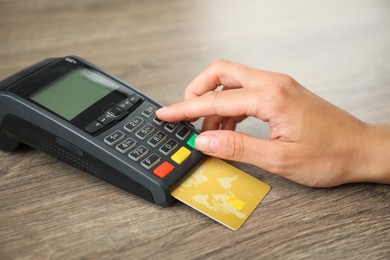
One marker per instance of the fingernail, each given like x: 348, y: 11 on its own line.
x: 162, y: 110
x: 207, y: 143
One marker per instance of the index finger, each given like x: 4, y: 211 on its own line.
x: 227, y: 103
x: 229, y: 74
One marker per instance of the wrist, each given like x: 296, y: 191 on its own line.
x: 372, y: 163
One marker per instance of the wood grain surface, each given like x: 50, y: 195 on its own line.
x: 338, y: 49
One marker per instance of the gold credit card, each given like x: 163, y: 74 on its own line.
x: 222, y: 192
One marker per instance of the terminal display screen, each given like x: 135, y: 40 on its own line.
x: 74, y: 92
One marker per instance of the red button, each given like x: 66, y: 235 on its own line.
x: 164, y: 169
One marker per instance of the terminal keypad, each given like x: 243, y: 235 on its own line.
x: 154, y: 144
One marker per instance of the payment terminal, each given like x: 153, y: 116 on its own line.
x: 82, y: 115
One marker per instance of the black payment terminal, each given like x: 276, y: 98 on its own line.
x: 82, y: 115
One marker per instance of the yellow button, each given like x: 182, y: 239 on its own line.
x: 181, y: 155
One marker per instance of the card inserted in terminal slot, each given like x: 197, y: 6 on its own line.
x: 222, y: 192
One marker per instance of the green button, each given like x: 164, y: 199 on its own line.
x: 191, y: 141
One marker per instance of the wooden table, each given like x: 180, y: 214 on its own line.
x: 338, y: 49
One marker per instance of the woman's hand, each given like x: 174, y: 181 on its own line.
x: 311, y: 142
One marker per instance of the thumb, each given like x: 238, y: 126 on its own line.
x: 235, y: 146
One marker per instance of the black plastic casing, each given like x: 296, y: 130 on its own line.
x: 25, y: 122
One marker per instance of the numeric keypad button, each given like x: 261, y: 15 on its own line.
x: 158, y: 121
x: 114, y: 137
x: 168, y: 147
x: 148, y: 112
x: 157, y: 138
x: 133, y: 124
x: 145, y: 131
x: 170, y: 127
x: 138, y: 153
x: 150, y: 161
x: 183, y: 133
x: 126, y: 145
